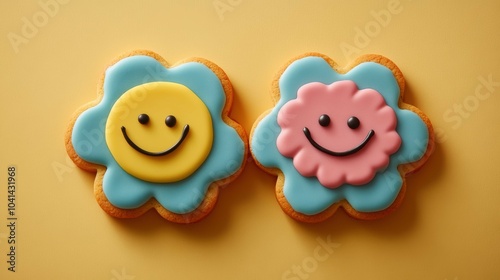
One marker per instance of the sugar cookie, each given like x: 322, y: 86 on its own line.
x: 340, y: 137
x: 159, y: 137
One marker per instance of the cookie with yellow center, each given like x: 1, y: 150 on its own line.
x: 159, y: 136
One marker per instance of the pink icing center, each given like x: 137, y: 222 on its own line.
x: 336, y: 153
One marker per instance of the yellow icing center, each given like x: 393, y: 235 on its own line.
x: 159, y: 100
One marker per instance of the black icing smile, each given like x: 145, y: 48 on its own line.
x: 170, y: 122
x: 338, y: 154
x: 157, y: 154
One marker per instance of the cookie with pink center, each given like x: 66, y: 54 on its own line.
x: 343, y: 135
x: 340, y: 138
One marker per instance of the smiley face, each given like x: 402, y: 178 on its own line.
x: 159, y: 132
x: 338, y: 133
x: 170, y: 121
x: 352, y: 123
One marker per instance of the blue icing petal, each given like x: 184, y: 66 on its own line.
x: 221, y: 163
x: 264, y: 141
x: 378, y: 194
x: 306, y: 195
x: 414, y: 135
x: 300, y: 191
x: 126, y: 191
x: 179, y: 198
x: 88, y: 135
x: 304, y: 71
x: 378, y: 77
x: 121, y: 189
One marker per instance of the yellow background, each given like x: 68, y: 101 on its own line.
x: 447, y: 228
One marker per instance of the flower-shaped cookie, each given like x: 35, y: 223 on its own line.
x: 159, y: 137
x: 340, y: 138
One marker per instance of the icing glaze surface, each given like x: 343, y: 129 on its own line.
x: 306, y: 194
x: 127, y: 191
x: 356, y: 142
x: 162, y: 149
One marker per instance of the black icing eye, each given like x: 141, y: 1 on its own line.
x: 353, y: 122
x: 170, y: 121
x: 324, y: 120
x: 143, y: 118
